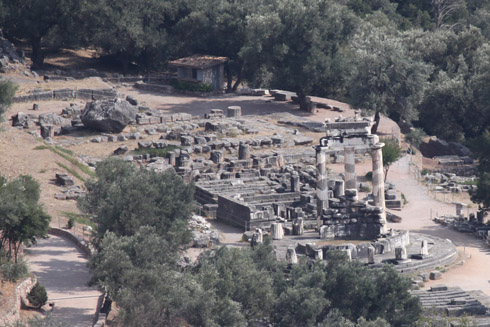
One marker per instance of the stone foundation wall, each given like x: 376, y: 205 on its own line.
x: 13, y: 304
x: 351, y: 219
x: 64, y: 94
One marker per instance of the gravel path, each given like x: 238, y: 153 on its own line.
x: 474, y: 274
x: 62, y: 269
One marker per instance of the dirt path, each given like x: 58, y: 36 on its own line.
x: 474, y: 274
x: 62, y: 269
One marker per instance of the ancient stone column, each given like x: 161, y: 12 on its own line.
x: 295, y: 182
x: 216, y: 156
x: 243, y: 151
x: 401, y: 253
x: 257, y: 237
x: 321, y: 183
x: 291, y: 256
x: 339, y: 189
x: 424, y: 248
x: 298, y: 226
x: 277, y: 231
x: 234, y: 112
x: 378, y: 176
x: 379, y: 182
x: 370, y: 254
x: 350, y: 167
x: 171, y: 158
x: 318, y: 254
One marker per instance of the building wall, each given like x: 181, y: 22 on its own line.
x: 212, y: 75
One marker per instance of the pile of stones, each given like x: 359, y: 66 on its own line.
x: 450, y: 183
x: 203, y: 236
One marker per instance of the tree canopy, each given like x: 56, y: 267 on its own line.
x: 22, y: 218
x: 123, y: 198
x: 391, y: 153
x: 7, y: 92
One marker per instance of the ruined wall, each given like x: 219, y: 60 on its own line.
x: 233, y: 212
x: 348, y: 218
x: 63, y: 94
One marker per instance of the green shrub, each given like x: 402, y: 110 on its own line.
x: 71, y: 223
x: 38, y: 295
x: 191, y: 86
x: 425, y: 171
x: 369, y: 176
x: 404, y: 198
x: 14, y: 271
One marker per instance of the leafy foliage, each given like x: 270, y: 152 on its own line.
x: 191, y: 86
x: 481, y: 148
x: 38, y: 295
x: 387, y: 80
x: 22, y: 218
x: 12, y: 271
x: 391, y: 153
x: 52, y: 23
x: 123, y: 198
x: 415, y: 137
x: 135, y: 31
x: 7, y: 92
x: 309, y: 53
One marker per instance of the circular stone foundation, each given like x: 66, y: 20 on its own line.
x: 440, y: 251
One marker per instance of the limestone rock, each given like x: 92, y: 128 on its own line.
x: 108, y: 115
x: 435, y: 275
x: 51, y: 118
x: 121, y: 150
x: 435, y: 147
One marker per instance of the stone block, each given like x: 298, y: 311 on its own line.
x: 435, y: 275
x: 234, y: 112
x: 64, y: 179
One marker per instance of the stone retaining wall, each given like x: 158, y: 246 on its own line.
x: 81, y: 244
x: 64, y: 94
x: 14, y: 303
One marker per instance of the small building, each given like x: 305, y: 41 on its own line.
x: 201, y: 69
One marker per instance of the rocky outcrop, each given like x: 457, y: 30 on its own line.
x: 10, y: 57
x: 109, y: 116
x: 434, y: 147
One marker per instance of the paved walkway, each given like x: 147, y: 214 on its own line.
x: 62, y: 269
x: 416, y: 216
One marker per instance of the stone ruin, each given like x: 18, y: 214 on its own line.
x: 287, y: 196
x: 453, y: 302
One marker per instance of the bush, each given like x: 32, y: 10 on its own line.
x: 71, y: 223
x: 369, y: 176
x: 191, y: 86
x: 14, y: 271
x: 425, y: 171
x: 38, y: 295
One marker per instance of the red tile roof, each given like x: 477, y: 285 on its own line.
x: 198, y: 61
